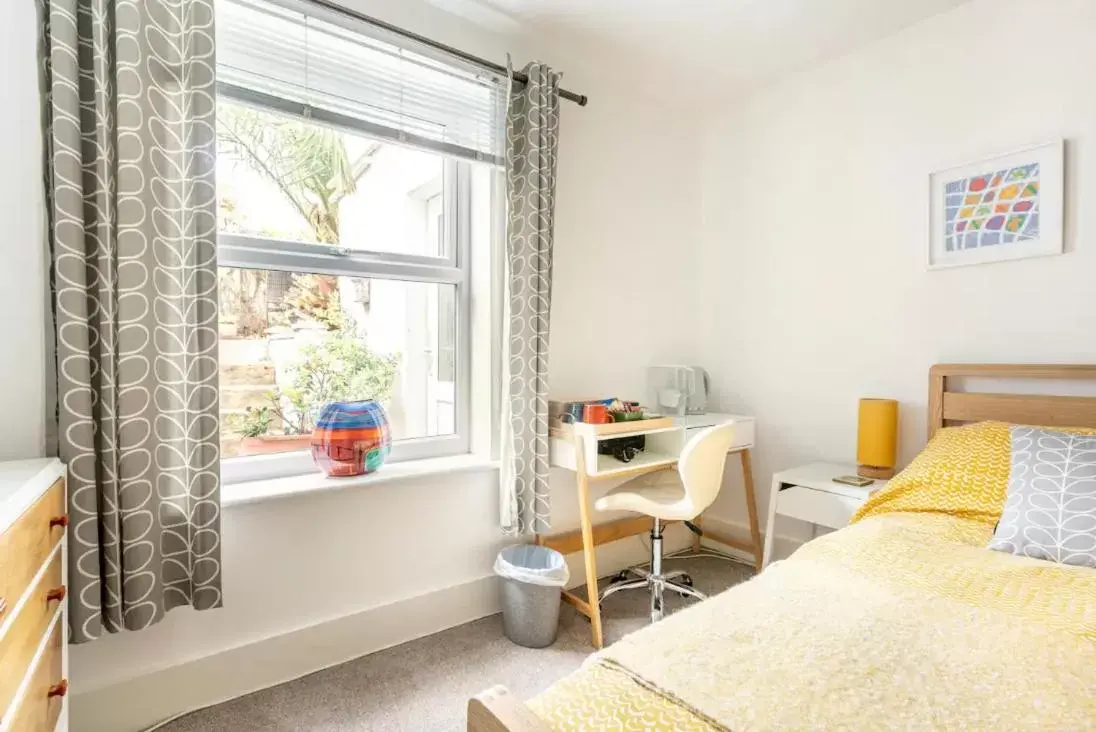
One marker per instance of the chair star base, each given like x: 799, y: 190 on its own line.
x: 655, y: 580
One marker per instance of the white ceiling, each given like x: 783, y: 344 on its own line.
x: 739, y: 44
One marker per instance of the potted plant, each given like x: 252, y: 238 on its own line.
x: 256, y: 437
x: 338, y: 369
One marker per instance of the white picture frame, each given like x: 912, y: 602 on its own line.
x: 1019, y: 212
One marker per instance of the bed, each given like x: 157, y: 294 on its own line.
x: 902, y: 620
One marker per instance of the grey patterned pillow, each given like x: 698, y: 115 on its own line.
x: 1050, y: 511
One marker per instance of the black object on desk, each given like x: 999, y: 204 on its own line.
x: 623, y: 448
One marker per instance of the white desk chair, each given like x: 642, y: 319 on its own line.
x: 672, y: 496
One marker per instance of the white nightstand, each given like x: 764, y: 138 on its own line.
x: 809, y: 494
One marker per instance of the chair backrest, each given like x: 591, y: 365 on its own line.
x: 701, y: 464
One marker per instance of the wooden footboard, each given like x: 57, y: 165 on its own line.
x: 497, y: 710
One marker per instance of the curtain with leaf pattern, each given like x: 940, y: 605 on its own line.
x: 532, y: 141
x: 129, y: 114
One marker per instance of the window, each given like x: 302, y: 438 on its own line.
x: 345, y: 216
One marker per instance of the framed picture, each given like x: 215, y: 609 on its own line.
x: 1006, y: 207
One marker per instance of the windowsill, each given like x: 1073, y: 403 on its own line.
x: 237, y: 494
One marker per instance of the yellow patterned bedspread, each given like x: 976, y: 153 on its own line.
x: 901, y: 621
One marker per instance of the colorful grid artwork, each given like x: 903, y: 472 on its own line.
x: 1000, y: 207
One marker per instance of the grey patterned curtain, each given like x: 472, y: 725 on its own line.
x: 532, y: 139
x: 130, y: 142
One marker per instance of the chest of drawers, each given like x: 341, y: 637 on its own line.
x: 33, y: 603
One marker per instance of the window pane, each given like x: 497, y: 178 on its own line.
x: 292, y: 342
x: 286, y: 178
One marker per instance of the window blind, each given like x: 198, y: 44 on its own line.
x: 302, y: 60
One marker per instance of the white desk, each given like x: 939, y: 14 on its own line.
x: 575, y: 449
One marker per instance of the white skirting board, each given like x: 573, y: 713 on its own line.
x: 139, y: 703
x: 783, y: 546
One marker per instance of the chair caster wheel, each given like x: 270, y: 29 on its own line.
x: 688, y: 582
x: 620, y: 576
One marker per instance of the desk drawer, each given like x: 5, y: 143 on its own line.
x: 816, y: 507
x: 25, y: 630
x: 40, y: 705
x: 25, y: 547
x: 743, y: 433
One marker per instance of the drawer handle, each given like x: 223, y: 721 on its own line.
x: 57, y: 593
x: 3, y: 605
x: 61, y: 521
x: 58, y: 689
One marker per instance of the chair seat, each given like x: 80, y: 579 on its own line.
x: 659, y: 494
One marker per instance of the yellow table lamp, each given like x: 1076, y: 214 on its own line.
x: 877, y: 438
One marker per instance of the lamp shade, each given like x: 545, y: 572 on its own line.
x: 877, y: 437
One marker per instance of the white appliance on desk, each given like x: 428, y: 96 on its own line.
x: 678, y: 390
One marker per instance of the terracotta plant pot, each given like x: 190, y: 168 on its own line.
x: 264, y: 444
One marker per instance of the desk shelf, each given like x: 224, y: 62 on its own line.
x: 664, y: 444
x: 614, y: 429
x: 609, y: 467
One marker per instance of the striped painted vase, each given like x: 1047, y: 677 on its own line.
x: 351, y: 438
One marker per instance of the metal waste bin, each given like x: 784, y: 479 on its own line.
x: 532, y: 580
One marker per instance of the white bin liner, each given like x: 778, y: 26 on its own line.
x: 537, y: 565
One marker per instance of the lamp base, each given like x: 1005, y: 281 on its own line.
x: 873, y: 471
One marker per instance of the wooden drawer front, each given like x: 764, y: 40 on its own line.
x: 817, y: 507
x: 26, y: 629
x: 25, y: 547
x: 40, y: 705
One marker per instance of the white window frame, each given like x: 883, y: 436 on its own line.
x: 256, y: 252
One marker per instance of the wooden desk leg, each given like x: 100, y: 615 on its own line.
x: 588, y: 547
x: 751, y: 507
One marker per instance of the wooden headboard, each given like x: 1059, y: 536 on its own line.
x: 949, y: 407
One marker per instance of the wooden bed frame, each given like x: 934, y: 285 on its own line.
x: 947, y: 407
x: 496, y: 710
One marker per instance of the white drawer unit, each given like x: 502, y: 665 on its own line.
x: 816, y: 507
x: 33, y: 607
x: 808, y: 493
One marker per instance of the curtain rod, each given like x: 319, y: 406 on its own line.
x: 579, y: 99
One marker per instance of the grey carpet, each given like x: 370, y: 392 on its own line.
x: 425, y: 684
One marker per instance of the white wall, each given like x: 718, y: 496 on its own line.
x: 22, y: 248
x: 289, y: 564
x: 810, y: 266
x: 626, y: 216
x: 626, y: 220
x: 295, y: 562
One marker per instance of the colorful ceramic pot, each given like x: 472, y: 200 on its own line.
x: 351, y: 438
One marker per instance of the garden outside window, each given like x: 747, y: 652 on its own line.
x: 344, y: 247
